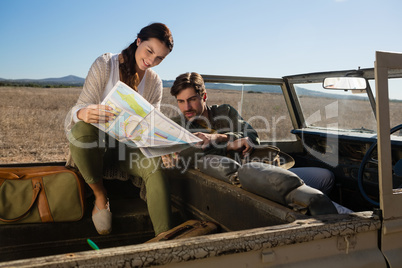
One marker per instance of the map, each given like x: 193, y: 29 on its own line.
x: 139, y: 124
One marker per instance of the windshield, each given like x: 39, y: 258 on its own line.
x: 345, y: 110
x: 262, y: 106
x: 395, y: 105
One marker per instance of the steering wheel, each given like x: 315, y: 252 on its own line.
x: 367, y: 158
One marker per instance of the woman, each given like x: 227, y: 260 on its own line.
x: 92, y: 150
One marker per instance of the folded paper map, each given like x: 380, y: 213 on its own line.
x: 139, y: 124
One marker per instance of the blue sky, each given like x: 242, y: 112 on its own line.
x: 261, y: 38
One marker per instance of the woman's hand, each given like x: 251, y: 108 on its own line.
x: 243, y: 144
x: 96, y: 113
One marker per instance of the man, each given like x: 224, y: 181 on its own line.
x: 223, y: 131
x: 220, y: 127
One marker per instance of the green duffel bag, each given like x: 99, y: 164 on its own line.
x: 40, y: 194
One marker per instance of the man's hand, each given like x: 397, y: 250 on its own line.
x: 243, y: 144
x: 95, y: 113
x: 170, y: 160
x: 207, y: 139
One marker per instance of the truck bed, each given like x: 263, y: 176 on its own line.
x: 261, y: 230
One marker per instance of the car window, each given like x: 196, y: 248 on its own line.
x: 335, y: 109
x: 262, y: 106
x: 395, y: 105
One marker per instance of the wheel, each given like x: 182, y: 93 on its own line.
x: 366, y: 159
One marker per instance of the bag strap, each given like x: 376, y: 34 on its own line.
x: 35, y: 195
x: 16, y: 173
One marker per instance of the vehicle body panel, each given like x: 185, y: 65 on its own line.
x: 390, y: 200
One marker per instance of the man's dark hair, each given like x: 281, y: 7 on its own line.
x: 186, y: 80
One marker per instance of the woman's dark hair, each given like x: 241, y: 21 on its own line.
x: 186, y: 80
x: 155, y: 30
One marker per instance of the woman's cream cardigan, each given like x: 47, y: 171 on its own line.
x: 94, y: 86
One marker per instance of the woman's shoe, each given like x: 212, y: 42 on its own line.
x: 103, y: 220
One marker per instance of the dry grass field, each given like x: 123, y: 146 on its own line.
x: 32, y: 119
x: 32, y: 123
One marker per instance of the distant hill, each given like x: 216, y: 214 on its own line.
x: 247, y: 88
x: 75, y: 81
x: 70, y: 81
x: 66, y: 79
x: 273, y: 89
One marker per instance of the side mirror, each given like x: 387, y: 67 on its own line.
x: 345, y: 83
